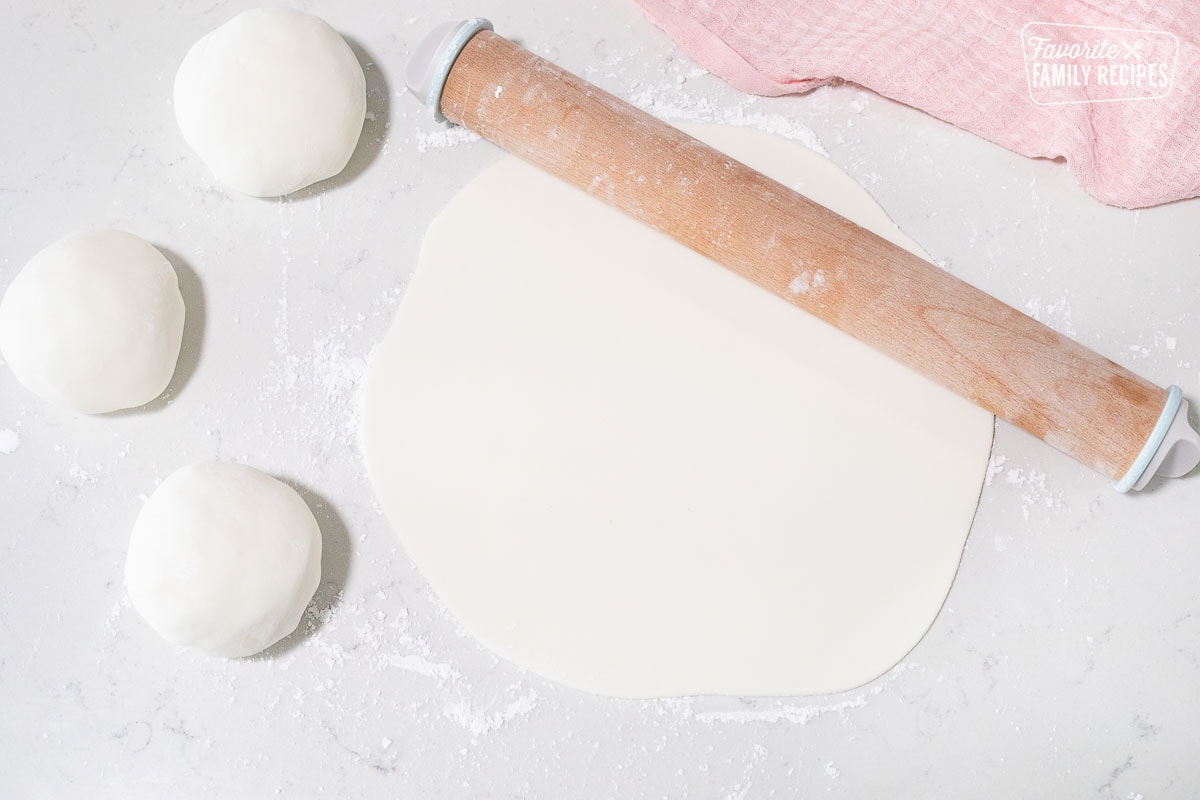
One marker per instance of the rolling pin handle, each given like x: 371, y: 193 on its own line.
x: 433, y: 58
x: 1173, y: 449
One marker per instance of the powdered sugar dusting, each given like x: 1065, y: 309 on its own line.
x: 480, y: 722
x: 9, y: 441
x: 443, y: 138
x: 678, y: 96
x: 804, y: 714
x: 422, y: 666
x: 1030, y: 483
x: 1053, y: 313
x: 671, y: 101
x: 1162, y: 342
x: 798, y: 715
x: 995, y: 466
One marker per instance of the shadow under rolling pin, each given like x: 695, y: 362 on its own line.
x: 1085, y: 405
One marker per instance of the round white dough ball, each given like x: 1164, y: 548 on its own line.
x: 94, y: 322
x: 271, y: 101
x: 223, y: 558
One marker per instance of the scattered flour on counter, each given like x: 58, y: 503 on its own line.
x: 319, y: 382
x: 319, y: 377
x: 799, y: 715
x: 340, y: 376
x: 995, y: 466
x: 9, y: 441
x: 423, y: 666
x: 670, y: 101
x: 116, y: 612
x: 1031, y: 484
x: 445, y: 137
x: 831, y: 769
x: 1161, y: 340
x: 802, y: 715
x: 740, y: 792
x: 481, y: 722
x: 383, y: 640
x: 1056, y: 314
x: 75, y: 475
x: 80, y: 475
x: 679, y: 707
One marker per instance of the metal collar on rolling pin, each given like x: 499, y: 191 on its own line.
x: 1092, y: 409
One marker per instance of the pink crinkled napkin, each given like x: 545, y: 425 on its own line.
x: 1114, y: 88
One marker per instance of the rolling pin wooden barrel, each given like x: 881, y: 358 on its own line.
x: 1076, y: 400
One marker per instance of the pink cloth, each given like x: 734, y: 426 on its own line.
x: 967, y: 62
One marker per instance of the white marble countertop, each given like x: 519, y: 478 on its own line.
x: 1066, y: 662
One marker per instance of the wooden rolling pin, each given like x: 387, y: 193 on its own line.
x: 1015, y: 367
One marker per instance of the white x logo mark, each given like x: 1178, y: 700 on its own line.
x: 1133, y: 49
